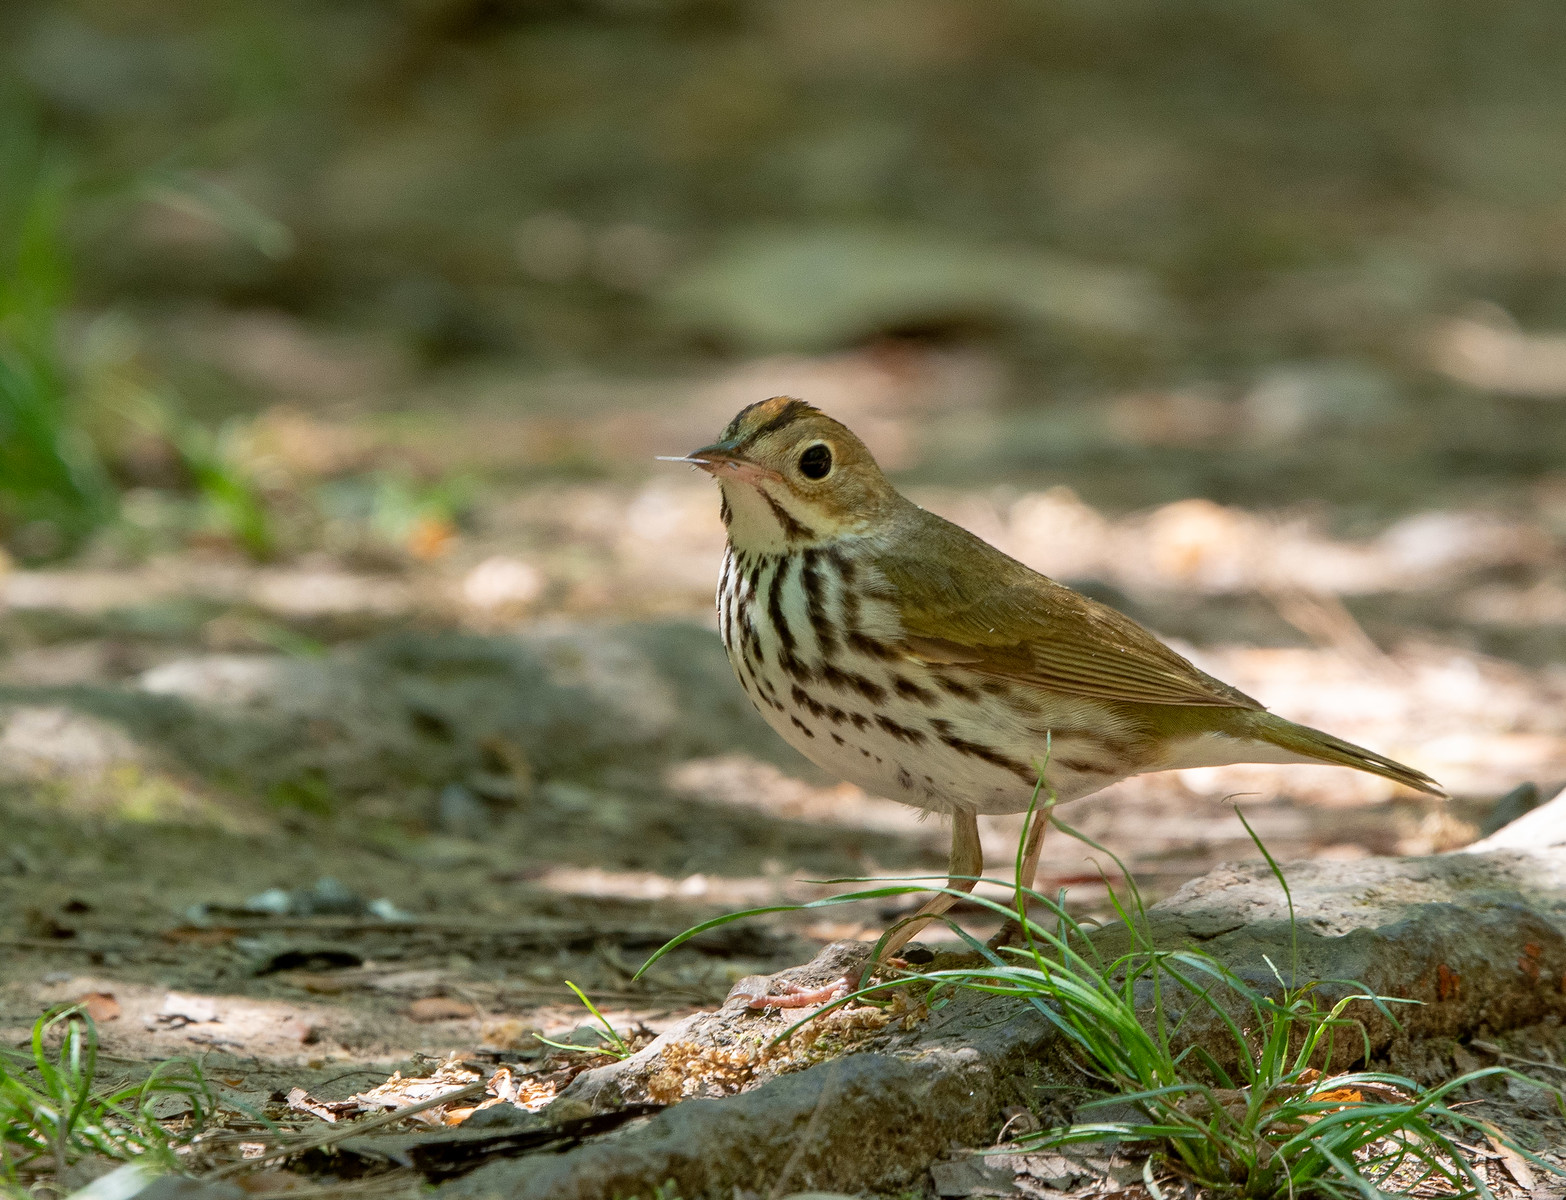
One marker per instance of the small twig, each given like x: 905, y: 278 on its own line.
x: 828, y: 1087
x: 23, y: 943
x: 340, y: 1133
x: 1490, y: 1048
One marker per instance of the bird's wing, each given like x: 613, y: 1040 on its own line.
x: 994, y: 616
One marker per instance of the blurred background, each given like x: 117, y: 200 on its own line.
x: 337, y: 339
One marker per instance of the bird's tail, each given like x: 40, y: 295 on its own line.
x: 1323, y: 747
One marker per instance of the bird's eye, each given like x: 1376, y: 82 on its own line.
x: 815, y: 461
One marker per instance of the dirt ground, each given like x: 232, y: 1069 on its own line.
x: 320, y: 820
x: 1246, y: 319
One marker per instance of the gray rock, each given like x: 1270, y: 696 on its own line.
x: 1478, y: 940
x: 406, y: 711
x: 798, y: 288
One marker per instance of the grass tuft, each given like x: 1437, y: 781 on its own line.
x: 610, y: 1042
x: 1237, y: 1087
x: 53, y: 488
x: 54, y: 1111
x: 61, y: 414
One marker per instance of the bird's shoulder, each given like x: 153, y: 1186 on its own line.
x: 963, y: 602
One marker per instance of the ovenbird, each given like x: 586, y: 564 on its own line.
x: 912, y: 658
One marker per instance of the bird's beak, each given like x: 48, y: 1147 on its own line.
x: 723, y: 462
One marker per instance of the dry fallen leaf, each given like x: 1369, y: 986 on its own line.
x: 1342, y: 1095
x: 430, y: 537
x: 300, y: 1101
x: 441, y: 1008
x: 1516, y: 1164
x: 100, y: 1006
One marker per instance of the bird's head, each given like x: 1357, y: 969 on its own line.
x: 793, y: 477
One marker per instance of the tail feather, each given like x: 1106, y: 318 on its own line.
x: 1323, y: 747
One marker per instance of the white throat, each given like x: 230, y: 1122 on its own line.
x: 765, y: 519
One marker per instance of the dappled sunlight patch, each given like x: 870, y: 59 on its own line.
x: 746, y: 782
x: 153, y: 1021
x: 75, y: 762
x: 450, y: 1077
x: 136, y: 793
x: 646, y: 885
x: 1198, y: 546
x: 40, y: 740
x: 329, y: 591
x: 1477, y: 724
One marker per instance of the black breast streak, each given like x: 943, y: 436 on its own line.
x: 787, y: 658
x: 815, y: 604
x: 902, y: 733
x: 807, y: 702
x: 761, y: 692
x: 750, y: 643
x: 850, y: 598
x: 843, y: 565
x: 755, y: 575
x: 856, y: 638
x: 750, y: 640
x: 954, y: 687
x: 741, y: 636
x: 744, y: 647
x: 943, y: 730
x: 724, y: 511
x: 871, y: 647
x: 815, y: 708
x: 909, y: 690
x: 751, y: 598
x: 802, y: 727
x: 850, y: 681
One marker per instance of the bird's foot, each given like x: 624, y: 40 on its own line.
x: 796, y: 996
x: 1009, y: 934
x: 824, y: 979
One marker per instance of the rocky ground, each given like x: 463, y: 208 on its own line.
x: 363, y: 809
x: 358, y: 682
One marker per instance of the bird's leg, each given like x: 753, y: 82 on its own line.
x: 963, y: 869
x: 1027, y: 875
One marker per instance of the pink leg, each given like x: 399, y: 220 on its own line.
x: 967, y: 860
x: 1011, y: 931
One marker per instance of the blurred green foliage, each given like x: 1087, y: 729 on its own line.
x: 53, y: 489
x: 546, y: 176
x: 69, y: 399
x: 1278, y: 203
